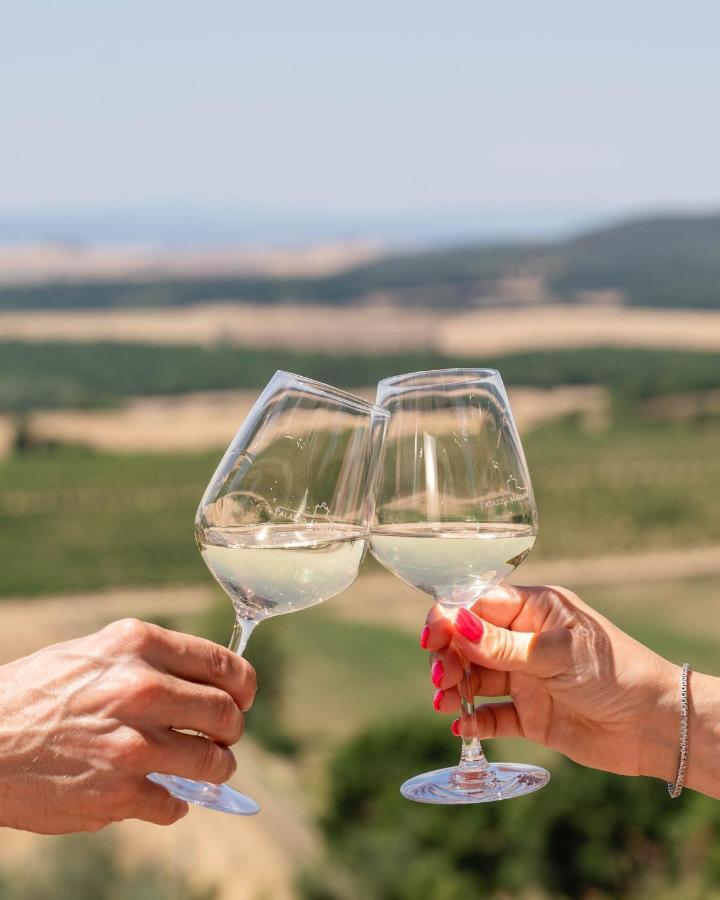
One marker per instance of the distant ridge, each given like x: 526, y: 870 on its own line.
x: 670, y: 261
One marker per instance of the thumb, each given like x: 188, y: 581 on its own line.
x: 543, y: 654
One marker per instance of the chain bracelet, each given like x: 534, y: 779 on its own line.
x: 676, y: 789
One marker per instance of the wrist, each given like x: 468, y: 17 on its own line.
x: 703, y: 771
x: 660, y: 752
x: 660, y: 744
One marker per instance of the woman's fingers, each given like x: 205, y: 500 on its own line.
x: 446, y: 667
x: 527, y: 608
x: 446, y: 671
x: 494, y: 720
x: 544, y: 654
x: 486, y: 683
x: 446, y: 701
x: 437, y: 631
x: 518, y: 609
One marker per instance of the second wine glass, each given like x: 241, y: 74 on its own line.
x: 455, y: 515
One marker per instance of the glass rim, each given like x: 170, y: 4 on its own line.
x: 335, y: 393
x: 466, y: 375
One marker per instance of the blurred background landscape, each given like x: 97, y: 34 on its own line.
x: 191, y: 199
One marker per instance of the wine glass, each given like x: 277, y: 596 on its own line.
x: 285, y: 520
x: 455, y: 515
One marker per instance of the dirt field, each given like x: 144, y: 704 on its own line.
x: 375, y: 329
x: 46, y: 262
x: 547, y: 327
x: 242, y: 325
x: 195, y: 422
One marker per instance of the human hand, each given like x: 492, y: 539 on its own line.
x: 578, y: 683
x: 83, y: 722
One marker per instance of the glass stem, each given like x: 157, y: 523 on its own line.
x: 472, y: 757
x: 242, y: 629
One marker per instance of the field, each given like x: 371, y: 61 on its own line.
x: 375, y: 327
x: 48, y: 263
x: 191, y: 423
x: 74, y: 520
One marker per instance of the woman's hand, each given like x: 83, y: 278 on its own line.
x: 82, y: 723
x: 577, y: 683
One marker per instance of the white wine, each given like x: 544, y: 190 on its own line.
x: 268, y: 570
x: 454, y: 563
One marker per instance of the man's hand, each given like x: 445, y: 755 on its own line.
x: 83, y: 722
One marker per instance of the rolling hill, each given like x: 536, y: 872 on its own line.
x: 670, y: 261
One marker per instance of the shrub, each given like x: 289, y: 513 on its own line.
x: 588, y: 834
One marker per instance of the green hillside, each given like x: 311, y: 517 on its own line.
x: 671, y: 261
x: 665, y: 262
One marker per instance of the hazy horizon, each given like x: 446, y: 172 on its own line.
x: 181, y: 225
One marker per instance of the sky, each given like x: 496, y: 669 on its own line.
x: 360, y: 109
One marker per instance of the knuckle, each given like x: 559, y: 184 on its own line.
x: 229, y: 717
x: 556, y: 595
x: 248, y: 689
x: 129, y: 749
x: 219, y: 762
x: 169, y: 811
x: 211, y: 762
x: 251, y: 679
x: 130, y: 633
x: 143, y: 687
x: 230, y: 764
x: 501, y: 645
x: 219, y: 661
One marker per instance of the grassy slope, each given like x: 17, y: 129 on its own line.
x: 629, y: 488
x: 72, y: 521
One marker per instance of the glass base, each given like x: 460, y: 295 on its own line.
x: 219, y: 797
x: 499, y: 781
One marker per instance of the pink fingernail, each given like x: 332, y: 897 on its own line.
x: 437, y: 699
x: 469, y: 625
x: 455, y: 728
x: 425, y: 637
x: 437, y: 672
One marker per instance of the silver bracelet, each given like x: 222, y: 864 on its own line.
x: 676, y: 789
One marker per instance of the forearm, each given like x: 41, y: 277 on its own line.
x: 703, y: 768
